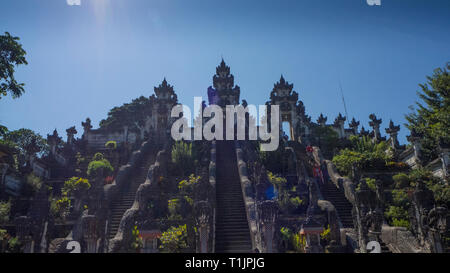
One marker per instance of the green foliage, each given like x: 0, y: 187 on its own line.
x: 327, y: 137
x: 137, y: 242
x: 182, y: 157
x: 174, y: 208
x: 431, y: 118
x: 278, y: 181
x: 397, y: 216
x: 275, y: 161
x: 187, y: 185
x: 326, y: 234
x: 292, y: 240
x: 60, y: 207
x: 112, y: 145
x: 5, y: 209
x: 99, y: 164
x: 400, y: 198
x: 75, y: 185
x: 32, y: 185
x: 371, y: 183
x: 364, y: 153
x: 299, y: 242
x: 441, y: 193
x: 401, y: 180
x: 174, y: 239
x: 11, y: 54
x: 27, y: 142
x: 131, y: 115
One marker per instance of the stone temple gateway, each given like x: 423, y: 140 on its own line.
x: 225, y: 196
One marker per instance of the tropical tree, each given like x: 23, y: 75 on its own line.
x: 27, y: 142
x: 431, y: 117
x: 11, y: 54
x: 129, y: 116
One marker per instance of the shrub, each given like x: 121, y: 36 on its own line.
x: 137, y: 242
x: 364, y: 153
x: 187, y: 185
x: 98, y: 164
x: 5, y: 210
x: 60, y: 207
x: 400, y: 198
x: 174, y: 208
x: 112, y: 145
x: 33, y: 182
x: 182, y: 157
x: 326, y: 235
x: 174, y: 239
x: 401, y: 180
x: 75, y: 185
x: 397, y: 216
x: 278, y: 181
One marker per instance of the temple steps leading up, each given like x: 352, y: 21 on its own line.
x: 340, y: 202
x: 232, y: 231
x: 127, y: 194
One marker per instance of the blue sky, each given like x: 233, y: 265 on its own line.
x: 85, y: 59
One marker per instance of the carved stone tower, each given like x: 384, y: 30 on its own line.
x: 223, y: 83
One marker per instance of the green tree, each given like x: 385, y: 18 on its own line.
x: 431, y: 117
x: 11, y: 54
x: 27, y: 142
x: 131, y: 116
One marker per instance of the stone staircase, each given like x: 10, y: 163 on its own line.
x: 232, y: 230
x: 342, y: 205
x: 126, y: 197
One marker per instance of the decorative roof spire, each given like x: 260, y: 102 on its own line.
x: 165, y: 91
x: 339, y: 120
x: 282, y: 91
x: 354, y: 123
x: 392, y: 128
x: 322, y: 119
x: 364, y: 132
x: 223, y: 82
x: 54, y: 139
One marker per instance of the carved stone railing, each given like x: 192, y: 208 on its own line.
x: 138, y: 212
x: 249, y: 196
x: 400, y: 240
x: 126, y: 171
x: 212, y: 201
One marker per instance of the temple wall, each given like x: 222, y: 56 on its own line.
x: 99, y: 139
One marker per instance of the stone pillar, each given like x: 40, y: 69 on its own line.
x: 393, y: 132
x: 364, y: 199
x: 267, y: 218
x: 415, y: 138
x: 71, y: 132
x: 444, y: 149
x: 354, y: 126
x: 375, y: 124
x: 86, y: 128
x: 53, y: 140
x: 23, y: 232
x: 89, y: 224
x: 203, y: 220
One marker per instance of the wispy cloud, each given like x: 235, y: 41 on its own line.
x: 73, y: 2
